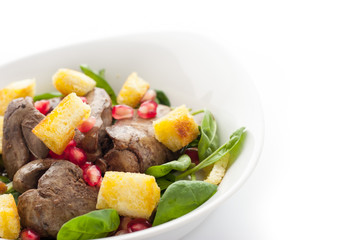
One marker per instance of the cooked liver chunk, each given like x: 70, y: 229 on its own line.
x: 62, y: 195
x: 27, y: 176
x: 135, y: 147
x: 92, y: 141
x: 18, y: 139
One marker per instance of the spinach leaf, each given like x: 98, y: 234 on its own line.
x: 95, y: 224
x: 161, y: 98
x: 181, y: 198
x: 165, y: 181
x: 231, y: 148
x: 161, y: 170
x: 4, y: 179
x: 48, y: 95
x: 209, y: 140
x: 12, y: 191
x: 100, y: 81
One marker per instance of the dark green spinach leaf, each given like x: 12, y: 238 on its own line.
x: 12, y: 191
x: 209, y: 140
x: 100, y: 81
x: 161, y: 98
x: 161, y: 170
x: 4, y: 179
x: 48, y: 95
x: 232, y: 147
x: 95, y: 224
x: 181, y: 198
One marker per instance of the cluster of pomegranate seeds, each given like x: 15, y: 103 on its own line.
x: 150, y: 95
x: 193, y: 154
x: 122, y: 111
x: 147, y: 109
x: 87, y: 124
x: 92, y: 175
x: 138, y: 224
x: 42, y: 106
x: 28, y: 234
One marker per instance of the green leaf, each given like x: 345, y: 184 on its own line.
x: 181, y: 198
x: 48, y: 95
x: 100, y: 81
x: 209, y: 140
x: 161, y: 98
x: 232, y: 147
x: 12, y: 191
x: 95, y: 224
x: 161, y: 170
x: 4, y: 179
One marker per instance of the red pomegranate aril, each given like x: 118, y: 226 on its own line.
x: 122, y: 111
x: 28, y: 234
x: 84, y: 99
x: 147, y: 109
x: 149, y: 95
x: 77, y: 156
x: 193, y: 154
x: 87, y: 125
x: 53, y: 155
x: 85, y: 166
x: 92, y: 175
x: 72, y: 143
x: 42, y: 106
x: 138, y: 224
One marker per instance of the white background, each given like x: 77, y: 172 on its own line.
x: 304, y: 58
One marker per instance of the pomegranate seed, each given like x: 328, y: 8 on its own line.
x: 85, y: 166
x: 72, y: 143
x: 42, y: 106
x: 150, y: 95
x: 138, y: 224
x: 193, y: 154
x: 28, y: 234
x: 63, y: 156
x: 77, y: 156
x: 92, y: 175
x: 122, y: 111
x: 84, y: 99
x: 147, y: 109
x: 87, y: 125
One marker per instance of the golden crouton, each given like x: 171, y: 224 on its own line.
x: 218, y: 171
x: 176, y: 129
x: 1, y: 132
x: 132, y: 91
x: 130, y: 194
x: 58, y: 128
x: 9, y: 217
x: 67, y: 81
x: 15, y: 90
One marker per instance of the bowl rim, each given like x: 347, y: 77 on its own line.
x: 255, y: 155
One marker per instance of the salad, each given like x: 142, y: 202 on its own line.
x: 83, y: 162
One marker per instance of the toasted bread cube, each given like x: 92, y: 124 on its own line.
x: 9, y: 217
x: 58, y: 128
x: 176, y: 129
x: 132, y: 91
x: 1, y: 132
x: 218, y: 171
x: 67, y: 81
x: 24, y: 88
x: 130, y: 194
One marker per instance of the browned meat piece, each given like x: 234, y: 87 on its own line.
x: 135, y: 147
x: 27, y: 176
x: 18, y: 139
x: 92, y: 141
x: 62, y: 195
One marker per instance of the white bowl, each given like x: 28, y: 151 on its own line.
x: 191, y: 70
